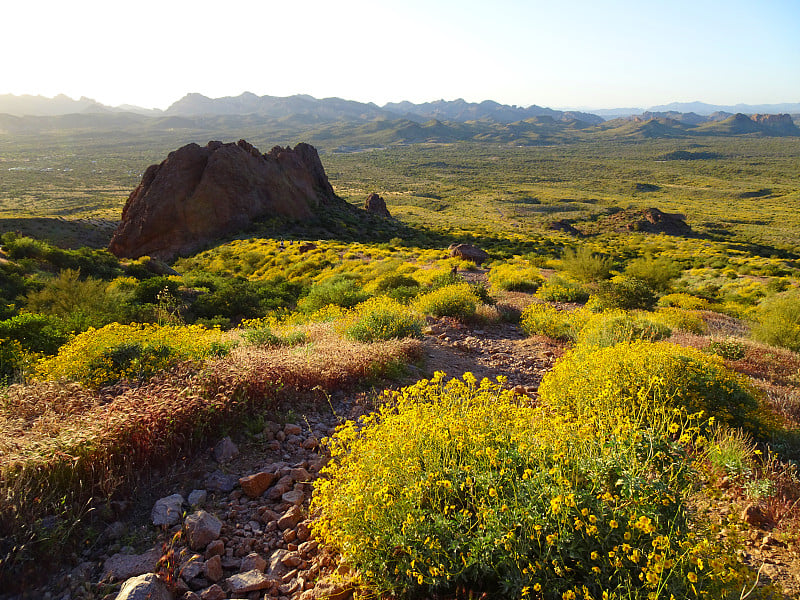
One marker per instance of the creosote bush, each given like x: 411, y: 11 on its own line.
x: 627, y: 293
x: 382, y: 319
x: 457, y: 488
x: 561, y: 289
x: 455, y: 300
x: 627, y: 377
x: 616, y: 326
x: 586, y: 265
x: 778, y: 321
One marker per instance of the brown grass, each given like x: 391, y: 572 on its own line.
x: 64, y: 448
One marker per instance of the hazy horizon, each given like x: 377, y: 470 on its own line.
x: 576, y: 54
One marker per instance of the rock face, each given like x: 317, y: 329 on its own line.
x: 376, y: 204
x: 201, y: 193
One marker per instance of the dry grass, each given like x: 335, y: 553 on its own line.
x: 64, y: 447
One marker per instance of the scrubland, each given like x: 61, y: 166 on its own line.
x: 624, y: 476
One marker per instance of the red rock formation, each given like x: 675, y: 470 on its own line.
x: 376, y: 204
x: 201, y: 193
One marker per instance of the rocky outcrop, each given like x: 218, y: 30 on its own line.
x: 199, y: 194
x: 377, y: 205
x: 468, y: 252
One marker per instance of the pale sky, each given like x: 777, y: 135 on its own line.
x: 557, y: 53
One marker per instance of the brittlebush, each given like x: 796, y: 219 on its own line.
x: 456, y: 489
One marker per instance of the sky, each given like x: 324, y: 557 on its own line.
x: 556, y: 53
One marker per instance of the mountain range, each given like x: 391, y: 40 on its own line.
x: 334, y: 122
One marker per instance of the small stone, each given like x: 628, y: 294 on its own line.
x: 250, y: 581
x: 256, y: 484
x: 289, y: 535
x: 212, y: 568
x: 290, y: 518
x: 197, y: 498
x: 275, y: 567
x: 253, y: 562
x: 310, y: 443
x: 753, y: 515
x: 220, y: 482
x: 202, y: 528
x: 292, y: 429
x: 300, y: 475
x: 292, y: 559
x: 213, y: 593
x: 293, y: 497
x: 167, y: 511
x: 304, y: 531
x: 215, y: 548
x: 191, y: 567
x: 225, y: 450
x: 144, y: 587
x: 308, y: 547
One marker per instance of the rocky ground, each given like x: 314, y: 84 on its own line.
x: 233, y: 522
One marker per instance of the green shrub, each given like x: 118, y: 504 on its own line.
x: 560, y: 289
x: 626, y: 378
x: 624, y: 293
x: 12, y: 360
x: 79, y: 303
x: 457, y: 490
x: 515, y: 278
x: 585, y: 265
x: 657, y: 273
x: 678, y: 318
x: 542, y: 319
x: 457, y: 300
x: 34, y: 332
x: 778, y: 321
x: 339, y: 290
x: 728, y: 348
x: 381, y: 319
x: 683, y: 300
x: 616, y: 326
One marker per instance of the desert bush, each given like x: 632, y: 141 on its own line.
x: 456, y: 488
x: 339, y: 290
x: 678, y: 318
x: 561, y: 289
x: 627, y: 377
x: 148, y: 290
x: 585, y: 265
x: 728, y: 348
x: 102, y: 356
x: 542, y: 319
x: 616, y: 326
x: 34, y: 332
x: 658, y: 273
x: 79, y: 303
x: 12, y: 360
x: 398, y: 287
x: 382, y: 319
x: 624, y: 293
x: 683, y: 300
x: 515, y: 278
x: 778, y: 321
x: 456, y: 300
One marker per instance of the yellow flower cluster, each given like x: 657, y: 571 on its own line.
x: 101, y: 356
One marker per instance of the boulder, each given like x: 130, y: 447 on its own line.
x: 468, y: 252
x: 377, y: 205
x: 255, y: 485
x: 225, y: 450
x: 250, y: 581
x: 202, y: 529
x: 198, y: 194
x: 167, y: 511
x: 144, y: 587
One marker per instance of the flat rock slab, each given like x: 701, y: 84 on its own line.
x: 125, y: 566
x: 250, y: 581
